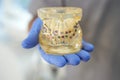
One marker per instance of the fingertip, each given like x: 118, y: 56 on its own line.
x: 72, y: 59
x: 24, y: 45
x: 62, y: 63
x: 87, y: 46
x: 90, y: 48
x: 77, y: 62
x: 58, y: 61
x: 85, y: 56
x: 28, y: 44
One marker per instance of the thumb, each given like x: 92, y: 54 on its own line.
x: 33, y: 37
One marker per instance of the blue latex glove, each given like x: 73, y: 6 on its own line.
x: 57, y: 60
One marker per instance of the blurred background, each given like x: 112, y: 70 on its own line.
x: 100, y: 24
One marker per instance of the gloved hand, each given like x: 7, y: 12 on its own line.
x: 57, y: 60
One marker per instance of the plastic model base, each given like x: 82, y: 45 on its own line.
x: 61, y: 32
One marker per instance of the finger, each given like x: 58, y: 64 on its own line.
x: 56, y: 60
x: 87, y: 46
x: 84, y: 55
x: 72, y: 59
x: 32, y: 39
